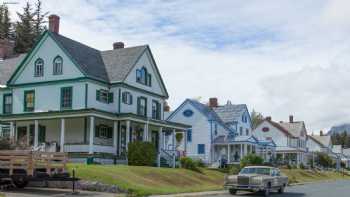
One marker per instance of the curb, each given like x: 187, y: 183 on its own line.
x: 209, y: 193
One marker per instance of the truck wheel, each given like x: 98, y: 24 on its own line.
x: 281, y: 190
x: 232, y: 191
x: 20, y: 182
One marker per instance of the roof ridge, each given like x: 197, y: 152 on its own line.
x: 56, y: 34
x: 132, y: 47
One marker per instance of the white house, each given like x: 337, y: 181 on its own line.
x: 69, y: 97
x: 218, y: 132
x: 290, y: 138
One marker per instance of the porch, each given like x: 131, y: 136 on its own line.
x: 290, y: 156
x: 92, y: 132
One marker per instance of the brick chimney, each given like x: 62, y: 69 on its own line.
x: 291, y: 119
x: 268, y: 118
x: 166, y: 107
x: 118, y: 45
x: 54, y: 23
x: 6, y: 48
x: 213, y: 102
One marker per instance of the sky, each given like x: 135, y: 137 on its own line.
x: 281, y: 57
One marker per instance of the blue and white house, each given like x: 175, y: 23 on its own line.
x: 66, y: 96
x: 219, y: 132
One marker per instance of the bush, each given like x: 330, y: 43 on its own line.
x: 141, y: 154
x: 199, y: 163
x: 301, y: 166
x: 5, y: 144
x: 189, y: 164
x: 251, y: 159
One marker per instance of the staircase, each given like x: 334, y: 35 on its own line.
x: 167, y: 158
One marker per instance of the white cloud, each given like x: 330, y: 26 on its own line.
x: 279, y: 57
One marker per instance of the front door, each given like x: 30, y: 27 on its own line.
x: 155, y: 139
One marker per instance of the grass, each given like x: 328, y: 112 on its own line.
x: 142, y: 181
x: 302, y: 176
x: 151, y: 180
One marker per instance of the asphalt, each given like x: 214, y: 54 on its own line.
x: 339, y: 188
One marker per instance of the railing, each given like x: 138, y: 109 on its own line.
x: 169, y: 156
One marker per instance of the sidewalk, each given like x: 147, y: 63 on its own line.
x: 209, y: 193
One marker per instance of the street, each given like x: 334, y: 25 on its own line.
x: 325, y: 189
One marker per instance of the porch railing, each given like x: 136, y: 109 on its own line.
x: 169, y: 156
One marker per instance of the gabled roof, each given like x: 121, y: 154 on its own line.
x: 8, y: 66
x: 294, y: 128
x: 230, y: 113
x: 279, y: 127
x: 324, y: 140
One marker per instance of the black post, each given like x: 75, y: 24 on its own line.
x: 73, y: 186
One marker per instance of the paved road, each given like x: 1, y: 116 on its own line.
x: 39, y: 192
x: 325, y: 189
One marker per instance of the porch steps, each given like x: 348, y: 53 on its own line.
x: 164, y: 163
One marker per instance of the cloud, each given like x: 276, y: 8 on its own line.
x: 279, y: 57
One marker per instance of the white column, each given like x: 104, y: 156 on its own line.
x: 228, y: 154
x: 185, y: 141
x: 241, y: 156
x: 62, y: 134
x: 145, y: 132
x: 92, y: 133
x: 12, y: 131
x: 173, y: 138
x: 174, y: 148
x: 36, y: 133
x: 115, y: 134
x: 245, y: 149
x: 127, y: 133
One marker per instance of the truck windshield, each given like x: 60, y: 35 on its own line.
x: 263, y: 171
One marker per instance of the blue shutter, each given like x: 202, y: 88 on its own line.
x: 201, y: 148
x: 98, y: 95
x: 189, y: 135
x: 110, y: 97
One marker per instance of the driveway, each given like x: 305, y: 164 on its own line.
x: 38, y: 192
x: 324, y: 189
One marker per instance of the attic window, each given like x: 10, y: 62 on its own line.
x: 39, y: 68
x: 57, y: 65
x: 143, y: 77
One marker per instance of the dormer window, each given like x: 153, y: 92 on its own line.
x: 143, y: 77
x: 57, y: 65
x: 39, y: 68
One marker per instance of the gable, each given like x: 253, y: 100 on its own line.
x: 46, y: 49
x: 146, y: 61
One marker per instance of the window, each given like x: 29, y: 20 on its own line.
x: 143, y: 77
x: 103, y: 131
x: 127, y: 98
x: 189, y: 135
x: 142, y: 106
x: 201, y: 148
x: 57, y: 65
x: 39, y: 68
x: 240, y: 131
x: 216, y: 129
x: 156, y: 108
x: 246, y: 131
x: 104, y: 96
x: 66, y: 97
x: 7, y: 103
x: 29, y: 100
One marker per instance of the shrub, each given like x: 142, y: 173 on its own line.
x: 324, y: 160
x: 5, y: 144
x: 301, y: 166
x: 251, y: 159
x: 141, y: 154
x: 188, y: 163
x: 199, y: 163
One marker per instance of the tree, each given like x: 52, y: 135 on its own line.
x: 5, y: 23
x: 257, y: 118
x: 24, y: 30
x: 251, y: 159
x: 39, y: 20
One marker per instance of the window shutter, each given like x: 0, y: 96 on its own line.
x: 110, y: 97
x: 98, y: 93
x: 138, y: 106
x: 97, y: 131
x: 130, y: 97
x: 124, y: 97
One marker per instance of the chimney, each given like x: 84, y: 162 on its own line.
x: 213, y: 102
x: 321, y: 133
x: 118, y: 45
x: 291, y: 118
x: 6, y: 48
x: 166, y: 107
x: 54, y: 23
x: 268, y: 118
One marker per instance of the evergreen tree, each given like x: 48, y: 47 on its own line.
x: 25, y: 30
x: 5, y: 23
x: 39, y: 20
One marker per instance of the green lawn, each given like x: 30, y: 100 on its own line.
x: 151, y: 180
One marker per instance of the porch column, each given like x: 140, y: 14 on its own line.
x: 62, y: 134
x: 160, y: 144
x: 241, y: 156
x: 228, y: 153
x: 91, y: 134
x: 28, y: 135
x: 127, y: 133
x: 12, y: 131
x: 115, y: 135
x: 174, y: 148
x: 245, y: 149
x: 185, y: 141
x: 145, y: 132
x: 36, y: 133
